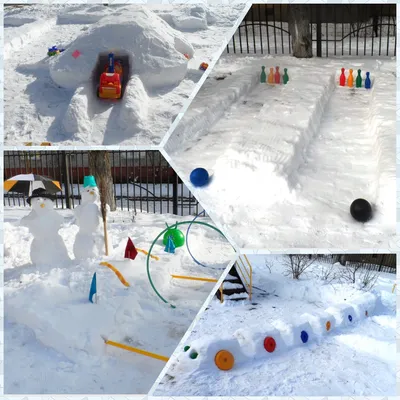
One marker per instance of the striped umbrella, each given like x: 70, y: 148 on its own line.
x: 25, y: 183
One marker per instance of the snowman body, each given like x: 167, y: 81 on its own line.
x: 89, y: 241
x: 43, y: 222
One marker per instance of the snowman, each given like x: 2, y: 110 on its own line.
x: 89, y: 241
x: 44, y: 222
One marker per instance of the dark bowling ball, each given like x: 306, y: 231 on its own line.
x: 361, y: 210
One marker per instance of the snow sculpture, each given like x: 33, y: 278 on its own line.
x: 44, y: 222
x: 89, y: 241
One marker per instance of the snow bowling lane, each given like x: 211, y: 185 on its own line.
x: 342, y: 150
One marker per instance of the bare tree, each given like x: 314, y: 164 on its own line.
x: 296, y: 264
x: 348, y: 274
x: 100, y: 168
x: 299, y: 28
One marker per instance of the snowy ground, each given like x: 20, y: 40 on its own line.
x: 354, y: 360
x: 52, y: 333
x: 288, y: 160
x: 53, y: 99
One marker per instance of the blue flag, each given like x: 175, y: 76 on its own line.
x: 170, y: 247
x: 93, y: 288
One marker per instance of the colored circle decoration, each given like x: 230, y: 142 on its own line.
x: 304, y: 336
x: 350, y: 318
x: 328, y: 326
x: 269, y: 344
x: 186, y: 348
x: 193, y: 355
x: 224, y: 360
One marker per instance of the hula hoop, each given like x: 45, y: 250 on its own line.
x: 154, y: 242
x: 187, y: 242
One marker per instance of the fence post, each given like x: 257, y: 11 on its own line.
x: 175, y: 194
x: 319, y: 31
x: 67, y: 181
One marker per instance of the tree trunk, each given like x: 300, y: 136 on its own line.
x: 100, y: 168
x: 299, y: 28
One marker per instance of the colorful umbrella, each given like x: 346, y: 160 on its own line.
x: 24, y: 184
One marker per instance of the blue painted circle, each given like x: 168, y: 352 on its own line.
x: 199, y: 177
x: 304, y: 336
x: 350, y: 318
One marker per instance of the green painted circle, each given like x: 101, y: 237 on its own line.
x: 177, y: 237
x: 186, y: 348
x: 155, y: 241
x: 193, y: 355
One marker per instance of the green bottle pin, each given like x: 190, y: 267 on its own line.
x: 263, y: 77
x: 359, y: 79
x: 285, y: 77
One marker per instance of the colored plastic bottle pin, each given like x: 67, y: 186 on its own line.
x: 271, y: 76
x: 350, y: 79
x: 277, y: 75
x: 359, y: 79
x: 285, y: 77
x: 263, y: 77
x: 367, y: 81
x: 342, y: 79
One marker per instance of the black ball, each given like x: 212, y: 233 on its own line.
x: 361, y: 210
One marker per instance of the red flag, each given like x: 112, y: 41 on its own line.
x: 130, y: 250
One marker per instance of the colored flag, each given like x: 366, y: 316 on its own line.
x: 93, y: 288
x: 130, y: 250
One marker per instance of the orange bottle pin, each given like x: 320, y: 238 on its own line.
x: 271, y: 78
x: 350, y: 79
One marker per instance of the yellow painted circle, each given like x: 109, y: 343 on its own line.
x: 224, y: 360
x: 328, y: 325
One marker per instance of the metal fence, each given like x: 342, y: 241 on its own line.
x: 374, y: 262
x: 142, y: 180
x: 336, y: 30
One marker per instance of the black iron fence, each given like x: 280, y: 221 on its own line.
x: 336, y: 30
x: 142, y: 180
x: 374, y: 262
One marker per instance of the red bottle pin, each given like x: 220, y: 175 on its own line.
x: 342, y: 80
x: 277, y: 75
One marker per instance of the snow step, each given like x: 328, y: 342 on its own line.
x: 233, y: 287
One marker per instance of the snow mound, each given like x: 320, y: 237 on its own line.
x: 154, y: 48
x: 84, y: 15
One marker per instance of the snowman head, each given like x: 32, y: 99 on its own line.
x: 41, y: 201
x: 90, y: 194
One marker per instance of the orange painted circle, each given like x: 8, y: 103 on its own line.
x: 224, y: 360
x: 328, y: 325
x: 366, y: 313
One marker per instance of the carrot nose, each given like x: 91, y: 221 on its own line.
x: 92, y: 193
x: 42, y: 205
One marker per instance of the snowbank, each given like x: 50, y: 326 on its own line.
x: 208, y: 109
x: 154, y: 48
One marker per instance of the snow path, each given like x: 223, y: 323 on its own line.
x: 287, y: 161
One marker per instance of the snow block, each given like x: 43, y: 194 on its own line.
x: 208, y: 348
x: 302, y: 333
x: 364, y: 305
x: 154, y: 48
x: 344, y: 314
x: 321, y: 323
x: 251, y: 340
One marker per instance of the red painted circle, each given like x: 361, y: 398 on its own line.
x: 269, y: 344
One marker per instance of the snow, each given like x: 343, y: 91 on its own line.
x: 356, y: 358
x: 56, y: 99
x: 288, y: 160
x: 53, y: 340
